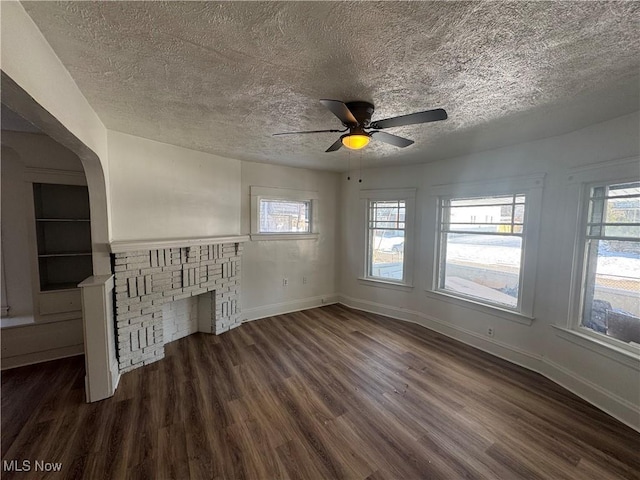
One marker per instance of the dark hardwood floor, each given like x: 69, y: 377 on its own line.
x: 325, y: 393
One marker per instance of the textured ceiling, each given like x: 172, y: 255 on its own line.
x: 222, y: 77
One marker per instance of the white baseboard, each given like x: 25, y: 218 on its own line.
x: 250, y: 314
x: 619, y: 408
x: 40, y: 357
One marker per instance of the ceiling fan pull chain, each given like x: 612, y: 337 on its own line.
x: 360, y: 167
x: 349, y: 171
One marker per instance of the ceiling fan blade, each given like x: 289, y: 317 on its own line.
x: 411, y: 119
x: 340, y: 110
x: 392, y: 139
x: 307, y: 131
x: 336, y: 146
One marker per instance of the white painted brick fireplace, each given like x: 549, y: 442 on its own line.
x: 154, y: 282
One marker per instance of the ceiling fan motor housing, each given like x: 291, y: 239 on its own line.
x: 362, y: 111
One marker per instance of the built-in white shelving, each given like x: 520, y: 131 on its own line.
x: 63, y: 235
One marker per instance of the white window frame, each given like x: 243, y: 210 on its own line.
x: 408, y: 195
x: 529, y: 185
x: 288, y: 195
x: 580, y: 182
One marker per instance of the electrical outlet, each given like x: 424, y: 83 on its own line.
x: 304, y: 280
x: 285, y: 282
x: 490, y: 331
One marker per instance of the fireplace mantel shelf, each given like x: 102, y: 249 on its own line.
x: 136, y: 245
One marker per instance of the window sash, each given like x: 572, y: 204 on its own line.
x: 378, y: 206
x: 598, y: 225
x: 513, y: 224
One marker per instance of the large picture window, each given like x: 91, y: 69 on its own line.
x: 611, y: 270
x: 482, y: 249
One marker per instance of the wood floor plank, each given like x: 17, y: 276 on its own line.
x: 172, y: 459
x: 324, y: 393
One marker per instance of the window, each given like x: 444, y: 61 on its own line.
x: 284, y: 216
x: 280, y: 213
x: 388, y: 234
x: 385, y: 242
x: 482, y: 259
x: 486, y: 245
x: 611, y: 267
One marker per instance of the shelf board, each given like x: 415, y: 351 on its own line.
x: 70, y: 254
x: 63, y: 220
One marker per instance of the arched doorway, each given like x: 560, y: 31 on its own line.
x: 99, y: 342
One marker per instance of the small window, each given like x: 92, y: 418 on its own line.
x: 611, y: 268
x: 482, y: 249
x: 280, y: 214
x: 385, y: 239
x: 284, y: 216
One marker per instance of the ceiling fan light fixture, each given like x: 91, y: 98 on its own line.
x: 355, y: 141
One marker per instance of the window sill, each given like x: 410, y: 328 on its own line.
x: 374, y: 282
x: 481, y: 307
x: 628, y: 357
x: 284, y: 236
x: 12, y: 322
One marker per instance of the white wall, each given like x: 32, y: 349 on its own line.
x: 160, y: 191
x: 609, y: 381
x: 15, y: 254
x: 266, y: 262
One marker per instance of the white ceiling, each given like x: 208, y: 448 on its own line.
x: 223, y: 77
